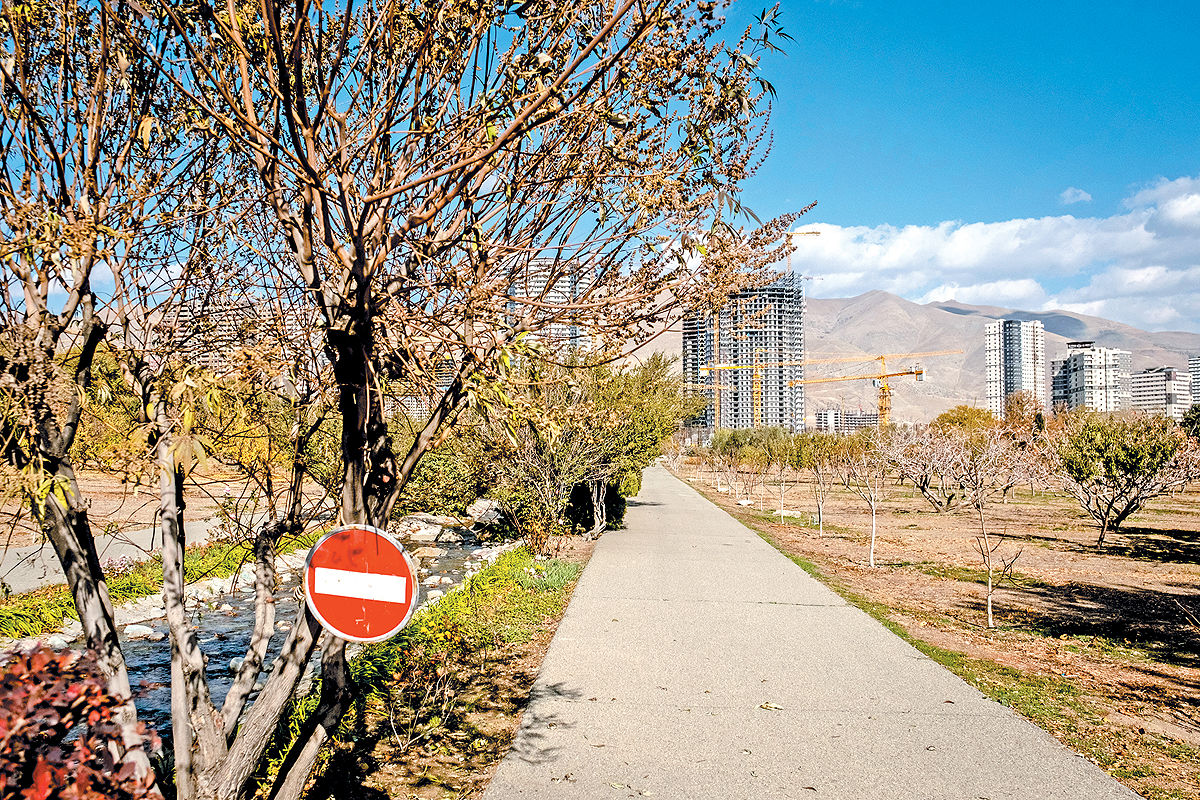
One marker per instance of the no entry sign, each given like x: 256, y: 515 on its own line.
x: 360, y: 583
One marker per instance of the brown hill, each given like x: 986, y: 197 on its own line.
x: 879, y: 322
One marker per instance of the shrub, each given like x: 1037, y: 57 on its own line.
x: 44, y: 698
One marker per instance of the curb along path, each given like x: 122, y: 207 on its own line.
x: 696, y: 661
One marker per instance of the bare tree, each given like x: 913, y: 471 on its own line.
x: 863, y: 470
x: 450, y: 179
x: 820, y: 453
x: 780, y: 449
x: 924, y: 455
x: 987, y: 462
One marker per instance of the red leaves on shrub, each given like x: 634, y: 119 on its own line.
x: 44, y: 698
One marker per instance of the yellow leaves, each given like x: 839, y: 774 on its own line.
x: 189, y: 453
x: 41, y: 486
x: 145, y: 128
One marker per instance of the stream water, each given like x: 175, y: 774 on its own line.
x: 225, y: 622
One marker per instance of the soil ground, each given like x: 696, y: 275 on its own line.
x: 459, y: 761
x: 1111, y: 636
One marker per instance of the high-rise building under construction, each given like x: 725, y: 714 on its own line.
x: 745, y: 358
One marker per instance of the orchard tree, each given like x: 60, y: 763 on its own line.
x: 780, y: 448
x: 863, y: 469
x: 820, y: 454
x: 1024, y: 415
x: 1113, y: 464
x: 926, y: 456
x: 966, y: 417
x: 449, y: 179
x: 1191, y: 421
x: 96, y: 176
x: 986, y: 463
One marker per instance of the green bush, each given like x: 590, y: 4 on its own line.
x: 413, y: 679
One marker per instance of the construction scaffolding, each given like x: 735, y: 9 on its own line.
x: 762, y: 327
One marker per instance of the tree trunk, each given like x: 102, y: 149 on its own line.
x: 872, y: 534
x: 69, y: 532
x: 336, y: 694
x: 599, y: 509
x: 196, y: 725
x: 985, y: 550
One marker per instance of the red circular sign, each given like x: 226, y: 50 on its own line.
x: 360, y: 583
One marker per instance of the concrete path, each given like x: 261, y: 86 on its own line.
x: 685, y: 625
x: 26, y: 568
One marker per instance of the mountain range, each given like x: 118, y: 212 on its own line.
x: 879, y: 322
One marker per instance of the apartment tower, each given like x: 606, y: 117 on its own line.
x: 1095, y: 378
x: 1165, y: 391
x: 757, y: 341
x: 1015, y: 358
x: 1194, y: 372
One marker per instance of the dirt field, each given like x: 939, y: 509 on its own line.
x: 1100, y: 647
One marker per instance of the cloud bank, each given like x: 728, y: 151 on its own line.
x: 1140, y: 266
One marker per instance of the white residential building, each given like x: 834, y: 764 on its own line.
x: 1095, y: 378
x: 547, y: 289
x: 1166, y: 391
x: 842, y: 420
x: 1194, y: 372
x: 1015, y: 360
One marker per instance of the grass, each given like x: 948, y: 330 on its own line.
x: 44, y: 610
x: 414, y: 682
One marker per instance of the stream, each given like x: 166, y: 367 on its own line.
x: 225, y: 621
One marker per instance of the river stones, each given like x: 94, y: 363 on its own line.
x: 428, y: 553
x: 138, y: 631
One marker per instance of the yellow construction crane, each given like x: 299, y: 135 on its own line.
x: 759, y: 366
x: 756, y: 385
x: 880, y: 378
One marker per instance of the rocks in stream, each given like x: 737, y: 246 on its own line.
x: 138, y: 631
x: 431, y: 528
x: 428, y: 553
x: 484, y: 511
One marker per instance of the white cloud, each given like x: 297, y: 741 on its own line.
x: 1140, y: 266
x: 1020, y: 293
x: 1072, y: 195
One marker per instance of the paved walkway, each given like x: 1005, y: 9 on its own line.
x: 26, y: 568
x: 685, y: 625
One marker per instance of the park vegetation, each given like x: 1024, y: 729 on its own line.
x: 357, y: 208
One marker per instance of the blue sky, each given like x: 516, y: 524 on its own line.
x: 1038, y: 156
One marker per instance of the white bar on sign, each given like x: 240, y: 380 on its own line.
x: 359, y: 585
